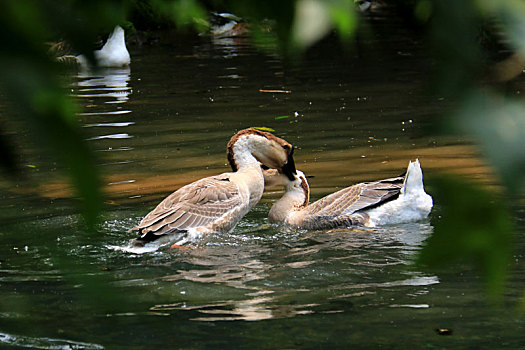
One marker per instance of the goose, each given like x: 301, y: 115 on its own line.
x: 362, y: 5
x: 389, y: 201
x: 368, y: 5
x: 113, y: 54
x: 226, y: 25
x: 217, y: 203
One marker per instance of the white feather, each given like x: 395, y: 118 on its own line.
x: 114, y: 52
x: 413, y: 203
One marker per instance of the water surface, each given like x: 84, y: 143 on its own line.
x: 165, y: 122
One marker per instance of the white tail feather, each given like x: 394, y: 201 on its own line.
x: 413, y: 178
x: 414, y: 204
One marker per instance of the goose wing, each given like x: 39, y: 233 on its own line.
x: 358, y: 197
x: 198, y: 204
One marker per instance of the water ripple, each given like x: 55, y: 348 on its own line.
x: 44, y: 343
x: 112, y: 136
x: 105, y: 113
x: 108, y: 124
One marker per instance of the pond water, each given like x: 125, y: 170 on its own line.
x: 165, y: 122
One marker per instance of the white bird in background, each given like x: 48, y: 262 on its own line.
x: 389, y: 201
x: 113, y: 54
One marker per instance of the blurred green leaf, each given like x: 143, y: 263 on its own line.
x: 344, y: 18
x: 510, y: 14
x: 55, y: 118
x: 271, y: 20
x: 311, y: 22
x: 314, y: 19
x: 33, y: 82
x: 474, y: 227
x: 423, y: 10
x: 459, y: 56
x: 184, y: 12
x: 512, y: 17
x: 263, y: 36
x: 498, y: 125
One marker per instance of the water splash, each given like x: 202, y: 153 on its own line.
x: 45, y: 343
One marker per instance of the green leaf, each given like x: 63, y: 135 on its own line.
x: 459, y: 56
x: 314, y: 19
x: 511, y: 16
x: 282, y: 117
x: 32, y: 80
x: 184, y: 12
x: 474, y: 227
x: 55, y: 118
x: 498, y: 125
x: 263, y: 128
x: 343, y: 18
x: 423, y: 10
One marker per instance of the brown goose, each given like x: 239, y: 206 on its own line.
x: 388, y: 201
x: 217, y: 203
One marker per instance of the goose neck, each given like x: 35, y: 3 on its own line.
x: 244, y: 158
x: 240, y: 154
x: 289, y: 203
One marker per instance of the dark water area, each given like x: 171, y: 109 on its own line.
x: 165, y: 122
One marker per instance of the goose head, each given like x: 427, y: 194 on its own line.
x: 300, y: 188
x: 297, y: 189
x: 266, y: 148
x: 295, y: 197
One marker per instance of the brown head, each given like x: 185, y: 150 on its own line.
x: 270, y: 150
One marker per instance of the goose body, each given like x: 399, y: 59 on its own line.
x: 113, y: 54
x: 215, y: 204
x: 226, y: 25
x: 389, y: 201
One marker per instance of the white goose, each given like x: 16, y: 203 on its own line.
x: 388, y: 201
x: 215, y: 204
x: 113, y: 54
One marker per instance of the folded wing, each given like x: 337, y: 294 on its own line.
x: 202, y: 203
x: 343, y: 207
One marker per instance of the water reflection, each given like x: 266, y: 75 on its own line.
x: 99, y: 90
x: 107, y: 116
x: 230, y: 47
x: 110, y: 82
x: 291, y: 274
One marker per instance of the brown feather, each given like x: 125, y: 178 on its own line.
x: 344, y: 207
x: 252, y: 131
x: 202, y: 202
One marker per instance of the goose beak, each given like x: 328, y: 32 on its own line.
x: 289, y: 168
